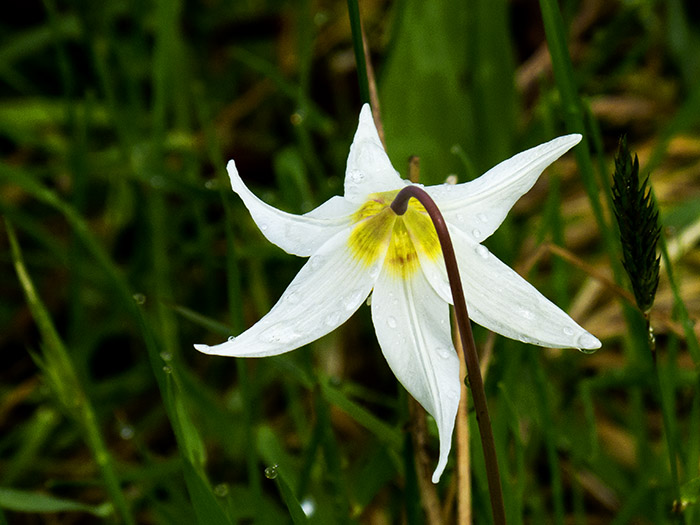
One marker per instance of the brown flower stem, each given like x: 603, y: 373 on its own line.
x: 476, y: 384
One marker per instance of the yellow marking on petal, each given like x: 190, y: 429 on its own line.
x: 379, y: 230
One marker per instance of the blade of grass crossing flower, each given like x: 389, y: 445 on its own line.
x: 67, y: 384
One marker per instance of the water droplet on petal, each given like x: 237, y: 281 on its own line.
x: 587, y: 343
x: 476, y: 233
x: 453, y: 394
x: 527, y: 314
x: 444, y: 353
x: 356, y: 176
x: 271, y: 472
x: 460, y: 217
x: 526, y: 339
x: 568, y: 331
x: 231, y: 338
x: 481, y: 217
x: 391, y: 322
x: 263, y: 226
x: 483, y: 251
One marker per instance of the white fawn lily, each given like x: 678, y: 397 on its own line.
x: 357, y: 244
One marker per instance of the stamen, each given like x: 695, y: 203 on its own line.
x: 378, y: 229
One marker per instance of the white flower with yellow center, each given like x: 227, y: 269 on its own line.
x: 357, y: 244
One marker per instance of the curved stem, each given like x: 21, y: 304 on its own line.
x: 399, y: 206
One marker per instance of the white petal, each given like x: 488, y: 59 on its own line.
x: 413, y: 327
x: 296, y: 234
x: 369, y: 169
x: 478, y: 207
x: 502, y: 301
x: 328, y: 289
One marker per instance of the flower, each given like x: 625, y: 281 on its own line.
x: 356, y: 244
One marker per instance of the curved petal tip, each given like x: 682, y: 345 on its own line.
x: 205, y: 349
x: 439, y: 470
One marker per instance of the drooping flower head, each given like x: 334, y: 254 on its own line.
x: 357, y: 244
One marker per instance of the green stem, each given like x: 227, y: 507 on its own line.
x: 359, y: 48
x: 666, y: 395
x: 476, y: 383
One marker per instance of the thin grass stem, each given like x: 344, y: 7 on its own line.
x: 359, y: 49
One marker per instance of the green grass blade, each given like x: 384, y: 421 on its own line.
x: 574, y: 118
x: 372, y: 423
x: 25, y: 501
x: 66, y: 382
x: 359, y: 49
x: 206, y: 507
x: 290, y: 500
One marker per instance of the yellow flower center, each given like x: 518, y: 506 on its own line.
x: 378, y: 229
